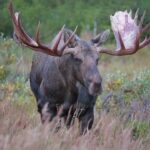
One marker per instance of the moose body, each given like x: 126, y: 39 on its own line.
x: 67, y: 84
x: 64, y: 76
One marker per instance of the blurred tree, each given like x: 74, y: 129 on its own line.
x: 55, y: 13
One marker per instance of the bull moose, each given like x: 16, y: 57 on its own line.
x: 64, y: 76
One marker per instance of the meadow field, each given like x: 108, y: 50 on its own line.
x: 122, y: 111
x: 122, y: 114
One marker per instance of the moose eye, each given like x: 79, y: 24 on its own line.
x: 78, y: 60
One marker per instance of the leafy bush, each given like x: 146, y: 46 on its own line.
x: 129, y: 88
x: 140, y: 129
x: 3, y: 72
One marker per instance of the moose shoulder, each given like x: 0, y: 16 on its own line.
x: 64, y: 76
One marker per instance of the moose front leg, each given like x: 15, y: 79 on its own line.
x: 47, y: 111
x: 66, y: 111
x: 86, y: 120
x: 70, y: 118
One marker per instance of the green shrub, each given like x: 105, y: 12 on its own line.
x: 3, y: 72
x: 140, y: 129
x: 129, y: 87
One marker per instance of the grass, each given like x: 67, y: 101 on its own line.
x: 20, y: 131
x: 122, y: 115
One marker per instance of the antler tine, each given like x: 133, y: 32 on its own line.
x: 130, y: 12
x: 146, y: 28
x: 25, y: 38
x: 145, y: 39
x: 144, y: 43
x: 37, y: 33
x: 136, y: 15
x: 70, y: 38
x: 11, y: 12
x: 58, y: 40
x: 19, y: 31
x: 141, y: 21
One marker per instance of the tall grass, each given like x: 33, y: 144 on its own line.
x: 20, y: 131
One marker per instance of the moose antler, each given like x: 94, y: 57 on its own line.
x: 127, y: 34
x: 35, y: 44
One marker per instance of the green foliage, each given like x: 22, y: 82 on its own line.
x: 14, y: 73
x: 140, y: 129
x: 54, y: 13
x: 129, y: 88
x: 3, y: 72
x: 139, y: 85
x: 115, y: 81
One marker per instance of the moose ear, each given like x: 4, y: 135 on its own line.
x: 101, y: 38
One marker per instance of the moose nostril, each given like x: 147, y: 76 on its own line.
x: 95, y: 88
x: 97, y: 85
